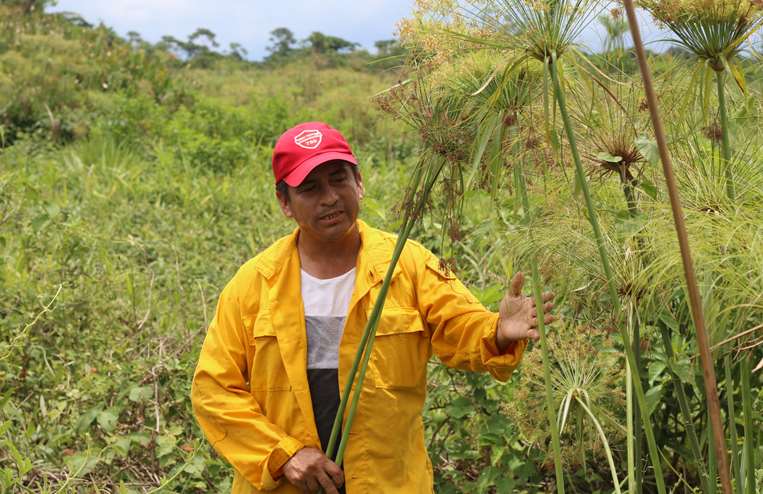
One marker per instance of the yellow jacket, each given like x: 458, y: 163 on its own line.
x: 250, y: 391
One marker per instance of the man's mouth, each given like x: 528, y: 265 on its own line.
x: 330, y: 216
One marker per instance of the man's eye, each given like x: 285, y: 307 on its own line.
x: 306, y: 188
x: 339, y: 178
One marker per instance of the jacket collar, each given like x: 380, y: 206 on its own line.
x: 373, y: 258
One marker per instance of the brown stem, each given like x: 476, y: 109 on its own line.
x: 708, y: 371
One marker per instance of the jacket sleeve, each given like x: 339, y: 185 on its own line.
x: 463, y: 330
x: 227, y: 413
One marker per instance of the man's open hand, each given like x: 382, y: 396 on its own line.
x: 309, y: 469
x: 518, y: 318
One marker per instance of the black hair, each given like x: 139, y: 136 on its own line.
x: 282, y: 188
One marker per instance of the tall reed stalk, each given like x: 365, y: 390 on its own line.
x: 537, y: 293
x: 750, y: 432
x: 417, y: 195
x: 720, y: 78
x: 731, y: 418
x: 708, y: 369
x: 559, y: 93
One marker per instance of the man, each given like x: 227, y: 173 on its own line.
x: 288, y: 325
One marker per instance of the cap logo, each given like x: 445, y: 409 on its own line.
x: 308, y: 139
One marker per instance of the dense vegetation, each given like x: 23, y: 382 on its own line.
x: 135, y: 179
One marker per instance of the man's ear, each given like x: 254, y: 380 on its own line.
x: 359, y: 181
x: 283, y: 201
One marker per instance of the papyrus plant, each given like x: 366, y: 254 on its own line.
x: 715, y: 32
x: 480, y: 102
x: 546, y: 31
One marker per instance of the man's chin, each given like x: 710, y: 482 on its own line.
x: 336, y: 231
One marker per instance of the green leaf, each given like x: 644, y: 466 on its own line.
x: 738, y: 77
x: 80, y: 464
x: 195, y: 467
x: 141, y: 438
x: 122, y: 445
x: 141, y: 393
x: 86, y: 420
x: 165, y: 444
x: 605, y: 156
x: 490, y: 295
x: 648, y: 149
x: 656, y: 369
x: 683, y: 370
x: 484, y: 134
x: 649, y: 189
x: 460, y: 408
x: 653, y: 397
x: 107, y: 420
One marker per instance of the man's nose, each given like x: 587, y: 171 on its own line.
x: 329, y: 195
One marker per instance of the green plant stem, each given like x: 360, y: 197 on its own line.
x: 607, y: 450
x: 729, y: 378
x: 373, y: 322
x: 634, y: 442
x: 720, y: 78
x: 638, y: 436
x: 369, y: 332
x: 592, y: 218
x: 629, y: 431
x: 683, y: 403
x: 429, y: 175
x: 628, y: 183
x: 749, y: 429
x: 537, y: 292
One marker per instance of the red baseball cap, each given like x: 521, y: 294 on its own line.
x: 303, y: 147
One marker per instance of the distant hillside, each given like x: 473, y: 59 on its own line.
x: 62, y: 80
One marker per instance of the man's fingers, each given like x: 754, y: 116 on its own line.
x: 547, y: 296
x: 546, y: 320
x: 304, y: 488
x: 311, y: 484
x: 328, y: 485
x: 515, y: 288
x: 533, y: 335
x: 336, y: 473
x: 548, y: 306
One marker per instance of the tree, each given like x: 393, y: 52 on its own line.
x: 237, y: 51
x: 172, y: 44
x: 387, y: 47
x: 282, y: 42
x: 134, y: 38
x: 203, y: 32
x: 30, y: 6
x: 322, y: 43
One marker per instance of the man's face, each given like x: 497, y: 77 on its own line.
x: 326, y: 204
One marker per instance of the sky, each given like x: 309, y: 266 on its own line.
x: 249, y: 22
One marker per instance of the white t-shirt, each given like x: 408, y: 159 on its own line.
x: 326, y: 303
